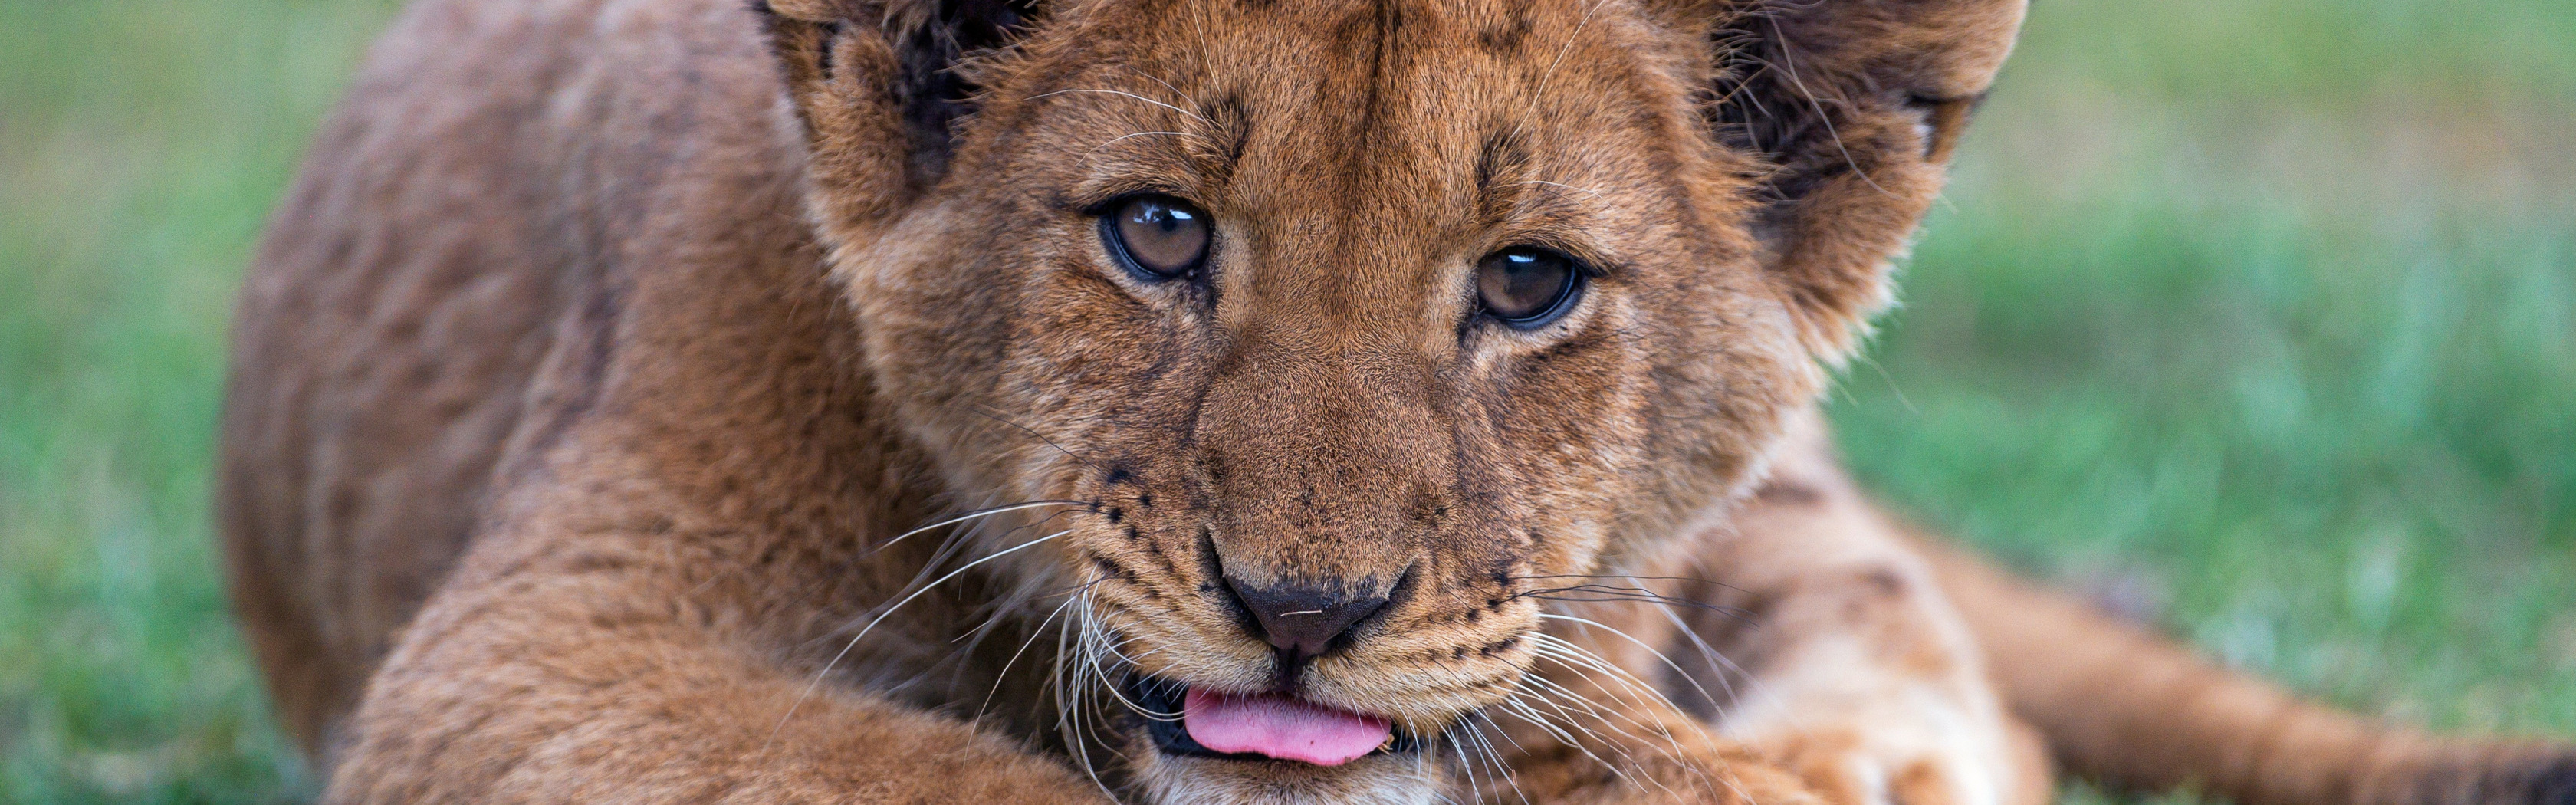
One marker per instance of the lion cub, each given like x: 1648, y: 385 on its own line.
x: 1174, y: 401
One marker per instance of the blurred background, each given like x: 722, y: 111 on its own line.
x: 2255, y: 315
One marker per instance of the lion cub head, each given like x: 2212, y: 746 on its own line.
x: 1345, y: 324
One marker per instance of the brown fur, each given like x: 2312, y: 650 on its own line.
x: 607, y: 352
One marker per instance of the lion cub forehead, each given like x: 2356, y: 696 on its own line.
x: 1286, y: 92
x: 1308, y: 36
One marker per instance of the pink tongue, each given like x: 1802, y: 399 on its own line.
x: 1278, y: 726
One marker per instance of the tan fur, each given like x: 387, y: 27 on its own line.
x: 596, y: 374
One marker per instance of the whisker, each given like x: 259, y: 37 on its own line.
x: 1598, y: 710
x: 956, y: 543
x: 1115, y: 140
x: 1070, y: 699
x: 1097, y: 646
x: 997, y: 417
x: 999, y: 677
x: 1789, y: 63
x: 1715, y: 660
x: 1523, y: 711
x: 1176, y: 91
x: 1002, y: 611
x: 1124, y: 93
x: 1607, y: 716
x: 1555, y: 651
x: 1465, y: 735
x: 1659, y: 655
x: 1576, y: 658
x: 1595, y: 593
x: 1550, y: 73
x: 1630, y: 756
x: 817, y: 683
x: 1486, y: 738
x: 1666, y: 603
x: 1557, y: 647
x: 972, y: 515
x: 1466, y: 765
x: 1623, y: 576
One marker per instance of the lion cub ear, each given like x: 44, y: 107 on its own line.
x: 1853, y: 107
x: 875, y: 84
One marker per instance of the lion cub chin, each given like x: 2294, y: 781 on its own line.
x: 1369, y: 781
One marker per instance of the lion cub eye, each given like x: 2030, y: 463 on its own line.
x: 1526, y: 286
x: 1156, y: 237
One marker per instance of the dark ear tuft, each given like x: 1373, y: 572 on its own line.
x: 876, y: 85
x: 1853, y: 106
x: 935, y: 93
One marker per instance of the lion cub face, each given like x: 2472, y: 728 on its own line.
x: 1350, y: 327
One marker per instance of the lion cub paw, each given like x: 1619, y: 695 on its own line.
x: 1852, y: 767
x: 1693, y: 778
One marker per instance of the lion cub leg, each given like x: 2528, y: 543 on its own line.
x: 1800, y: 652
x: 1838, y: 657
x: 1580, y: 734
x: 567, y: 664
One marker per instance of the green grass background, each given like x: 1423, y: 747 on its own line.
x: 2263, y: 311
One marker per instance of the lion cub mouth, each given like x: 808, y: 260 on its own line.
x: 1261, y: 726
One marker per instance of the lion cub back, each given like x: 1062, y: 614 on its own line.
x: 430, y: 305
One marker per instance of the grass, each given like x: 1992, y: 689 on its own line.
x: 2266, y: 308
x: 139, y: 152
x: 2299, y: 354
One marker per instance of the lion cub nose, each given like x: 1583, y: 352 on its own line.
x: 1303, y: 622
